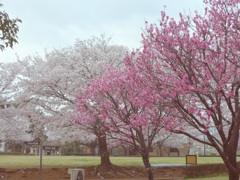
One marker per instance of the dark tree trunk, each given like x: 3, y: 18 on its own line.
x: 160, y: 146
x: 233, y: 175
x: 145, y: 158
x: 230, y: 152
x: 231, y: 163
x: 103, y: 151
x: 13, y: 147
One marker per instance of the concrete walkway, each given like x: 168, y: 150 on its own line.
x: 163, y: 178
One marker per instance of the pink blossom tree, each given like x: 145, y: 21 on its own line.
x: 89, y: 119
x: 195, y: 64
x: 123, y: 107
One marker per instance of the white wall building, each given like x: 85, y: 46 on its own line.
x: 2, y: 146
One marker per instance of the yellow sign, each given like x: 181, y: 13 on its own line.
x: 191, y: 159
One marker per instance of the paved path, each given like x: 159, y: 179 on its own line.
x: 164, y: 178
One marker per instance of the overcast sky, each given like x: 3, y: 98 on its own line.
x: 49, y: 24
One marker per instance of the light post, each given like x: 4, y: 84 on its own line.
x: 204, y: 147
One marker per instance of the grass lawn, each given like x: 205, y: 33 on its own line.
x: 219, y: 177
x: 76, y: 161
x: 33, y: 161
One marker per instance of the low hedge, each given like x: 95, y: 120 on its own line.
x: 10, y: 153
x: 209, y: 155
x: 201, y: 170
x: 75, y: 154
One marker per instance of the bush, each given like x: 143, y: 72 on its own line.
x: 74, y: 154
x: 202, y: 170
x: 10, y: 153
x: 208, y: 155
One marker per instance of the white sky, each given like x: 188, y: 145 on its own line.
x: 49, y: 24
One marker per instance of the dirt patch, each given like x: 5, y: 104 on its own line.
x: 61, y: 173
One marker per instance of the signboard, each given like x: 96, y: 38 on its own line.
x: 32, y: 143
x: 50, y: 147
x: 191, y: 159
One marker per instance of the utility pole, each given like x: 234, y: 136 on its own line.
x: 204, y: 148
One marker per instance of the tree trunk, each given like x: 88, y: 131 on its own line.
x: 231, y: 164
x: 160, y: 150
x: 233, y: 175
x: 230, y: 151
x: 145, y: 158
x: 103, y: 151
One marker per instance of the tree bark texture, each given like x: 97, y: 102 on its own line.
x: 147, y: 165
x: 103, y: 151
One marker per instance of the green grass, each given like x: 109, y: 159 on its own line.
x: 33, y: 161
x: 47, y: 161
x: 76, y: 161
x: 219, y: 177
